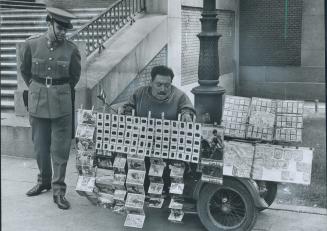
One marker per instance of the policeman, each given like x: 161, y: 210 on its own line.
x: 51, y: 67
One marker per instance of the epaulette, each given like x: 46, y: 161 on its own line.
x: 34, y: 36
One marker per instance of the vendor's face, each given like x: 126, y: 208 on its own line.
x: 161, y: 87
x: 57, y: 32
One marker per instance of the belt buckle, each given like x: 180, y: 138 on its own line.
x: 48, y: 81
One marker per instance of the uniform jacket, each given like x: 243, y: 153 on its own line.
x: 40, y: 58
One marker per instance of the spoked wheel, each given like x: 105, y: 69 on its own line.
x: 226, y: 207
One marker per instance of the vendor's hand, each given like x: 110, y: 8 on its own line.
x: 186, y: 117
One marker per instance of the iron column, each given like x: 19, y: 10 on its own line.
x: 208, y: 97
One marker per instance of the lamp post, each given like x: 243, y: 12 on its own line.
x: 208, y: 96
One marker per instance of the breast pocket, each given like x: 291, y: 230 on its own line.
x: 38, y: 66
x: 33, y: 98
x: 62, y: 69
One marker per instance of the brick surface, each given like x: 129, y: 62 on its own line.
x: 191, y: 26
x: 270, y: 32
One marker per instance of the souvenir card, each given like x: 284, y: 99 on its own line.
x: 133, y: 187
x: 119, y: 195
x: 176, y: 188
x: 156, y: 170
x: 261, y: 104
x: 85, y: 131
x: 105, y: 188
x: 212, y: 142
x: 134, y: 203
x: 290, y: 107
x: 119, y: 164
x: 238, y: 159
x: 176, y: 215
x: 175, y: 204
x: 212, y: 171
x: 282, y: 164
x: 105, y: 200
x: 136, y: 163
x: 85, y: 184
x: 86, y: 117
x: 177, y: 169
x: 119, y: 181
x: 84, y: 158
x: 104, y: 162
x: 119, y: 208
x: 156, y: 202
x: 262, y: 119
x: 85, y: 144
x: 134, y: 220
x: 136, y: 176
x: 155, y: 188
x: 104, y: 176
x: 288, y: 135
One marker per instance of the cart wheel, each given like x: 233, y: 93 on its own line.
x: 270, y: 194
x: 226, y: 207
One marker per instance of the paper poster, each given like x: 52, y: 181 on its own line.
x: 134, y: 220
x: 136, y: 176
x: 264, y: 105
x: 120, y: 195
x: 238, y: 159
x: 212, y: 142
x: 262, y: 119
x: 275, y: 163
x: 135, y: 202
x: 175, y: 205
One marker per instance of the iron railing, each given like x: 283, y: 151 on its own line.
x: 101, y: 28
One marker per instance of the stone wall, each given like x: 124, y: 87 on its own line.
x: 305, y: 81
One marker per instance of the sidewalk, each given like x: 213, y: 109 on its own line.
x: 20, y: 212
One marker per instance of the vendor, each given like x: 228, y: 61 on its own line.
x: 160, y: 97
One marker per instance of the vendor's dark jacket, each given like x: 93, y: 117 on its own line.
x: 41, y: 59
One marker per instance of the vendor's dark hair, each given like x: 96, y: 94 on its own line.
x: 48, y: 19
x: 161, y: 70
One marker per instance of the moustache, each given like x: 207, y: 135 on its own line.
x: 161, y: 93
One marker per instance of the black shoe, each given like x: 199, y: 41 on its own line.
x: 61, y: 201
x: 37, y: 190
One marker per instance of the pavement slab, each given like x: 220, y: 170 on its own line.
x: 20, y: 212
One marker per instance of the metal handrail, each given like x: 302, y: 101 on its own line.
x: 106, y: 24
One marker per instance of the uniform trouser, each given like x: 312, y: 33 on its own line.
x: 52, y: 140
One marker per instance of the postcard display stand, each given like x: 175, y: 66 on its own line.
x: 118, y: 144
x: 271, y: 124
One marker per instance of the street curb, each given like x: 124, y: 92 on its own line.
x: 299, y: 209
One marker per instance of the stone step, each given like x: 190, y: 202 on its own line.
x: 8, y: 82
x: 5, y: 92
x: 8, y: 73
x: 38, y: 11
x: 4, y: 65
x: 8, y: 6
x: 42, y: 16
x: 27, y: 3
x: 8, y: 56
x: 7, y: 103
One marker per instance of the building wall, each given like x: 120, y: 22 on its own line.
x: 228, y: 43
x: 144, y: 78
x: 303, y: 79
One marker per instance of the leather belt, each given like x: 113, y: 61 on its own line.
x: 48, y: 81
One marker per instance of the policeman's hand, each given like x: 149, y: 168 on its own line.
x: 186, y: 117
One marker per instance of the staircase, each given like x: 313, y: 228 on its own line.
x: 15, y: 26
x: 20, y: 4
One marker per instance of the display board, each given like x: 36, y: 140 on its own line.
x: 235, y: 115
x: 282, y: 164
x: 263, y: 119
x: 238, y: 159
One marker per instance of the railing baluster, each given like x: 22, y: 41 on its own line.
x: 119, y: 14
